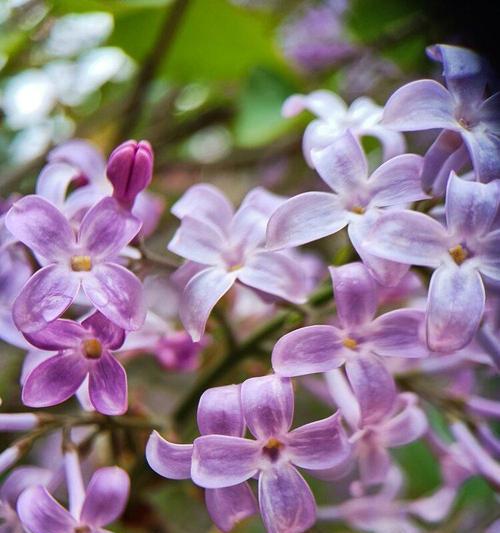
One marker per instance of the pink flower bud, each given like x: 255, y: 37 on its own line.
x: 130, y: 169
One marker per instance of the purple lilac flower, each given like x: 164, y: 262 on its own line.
x: 227, y: 247
x: 461, y: 108
x: 358, y: 342
x: 356, y: 201
x: 361, y: 118
x: 462, y: 252
x: 285, y: 500
x: 70, y: 262
x: 219, y: 412
x: 82, y: 350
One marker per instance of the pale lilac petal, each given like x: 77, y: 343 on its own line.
x: 148, y: 207
x: 168, y: 459
x: 108, y: 385
x: 106, y: 497
x: 484, y: 147
x: 372, y: 385
x: 308, y: 350
x: 393, y: 143
x: 318, y: 134
x: 374, y: 462
x: 45, y: 297
x: 338, y: 471
x: 81, y: 154
x: 106, y: 331
x: 198, y: 241
x: 435, y: 507
x: 200, y: 295
x: 117, y: 293
x: 320, y: 445
x: 408, y: 425
x: 20, y: 479
x: 42, y: 227
x: 57, y: 335
x: 355, y: 293
x: 248, y: 227
x: 40, y: 513
x: 420, y: 105
x: 342, y: 395
x: 397, y: 181
x: 262, y: 200
x: 54, y: 380
x: 304, y: 218
x: 54, y: 180
x: 205, y: 203
x: 470, y: 206
x: 455, y: 307
x: 342, y: 165
x: 489, y: 257
x: 275, y: 273
x: 222, y: 461
x: 106, y: 228
x: 267, y: 404
x: 408, y: 237
x: 324, y: 104
x: 286, y: 502
x: 219, y: 411
x: 230, y: 505
x: 399, y: 333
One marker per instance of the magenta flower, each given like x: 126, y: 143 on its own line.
x: 219, y: 412
x: 82, y: 350
x: 358, y: 342
x: 86, y: 260
x: 462, y: 252
x: 461, y: 108
x: 102, y: 503
x: 355, y: 202
x: 285, y: 500
x: 229, y: 246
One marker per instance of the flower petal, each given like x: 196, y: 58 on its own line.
x: 324, y: 104
x: 374, y: 462
x: 54, y: 380
x: 57, y: 335
x: 54, y: 180
x: 106, y: 229
x: 20, y: 479
x: 168, y: 459
x: 106, y: 331
x: 489, y: 256
x: 308, y: 350
x: 106, y: 496
x: 320, y: 445
x: 223, y: 461
x: 117, y: 293
x: 304, y: 218
x: 40, y: 513
x: 42, y: 227
x: 219, y: 411
x: 286, y: 502
x: 81, y: 154
x: 200, y: 295
x: 230, y: 505
x: 275, y: 273
x: 108, y: 385
x: 420, y: 105
x: 455, y: 307
x: 355, y: 293
x: 408, y: 425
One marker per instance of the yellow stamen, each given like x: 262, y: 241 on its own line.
x: 350, y: 343
x: 458, y: 253
x: 273, y: 444
x: 82, y: 529
x: 92, y: 349
x: 234, y: 268
x: 81, y: 263
x: 464, y: 123
x: 358, y: 210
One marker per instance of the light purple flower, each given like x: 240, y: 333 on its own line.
x: 219, y: 412
x: 461, y: 108
x: 285, y: 500
x: 361, y: 118
x: 82, y: 350
x: 462, y: 252
x: 86, y: 260
x: 355, y: 202
x: 229, y: 246
x: 358, y: 342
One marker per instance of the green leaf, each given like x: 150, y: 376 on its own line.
x: 62, y: 7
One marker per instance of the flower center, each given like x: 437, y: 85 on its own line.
x: 358, y: 210
x: 272, y: 448
x: 82, y: 529
x: 350, y: 343
x: 458, y: 253
x: 81, y: 263
x: 92, y: 349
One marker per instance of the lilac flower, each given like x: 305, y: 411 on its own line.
x: 285, y: 500
x: 82, y: 350
x: 462, y: 252
x: 355, y: 202
x: 219, y: 412
x: 358, y: 342
x: 461, y: 108
x: 229, y: 247
x: 87, y: 260
x: 361, y: 118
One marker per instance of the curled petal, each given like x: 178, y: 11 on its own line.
x: 230, y: 505
x: 108, y: 386
x: 393, y: 143
x: 106, y: 331
x: 168, y: 459
x: 267, y: 404
x: 408, y: 425
x: 54, y: 180
x: 489, y: 256
x: 223, y: 461
x: 324, y: 104
x: 219, y: 411
x: 374, y: 463
x: 20, y: 479
x: 82, y: 155
x: 58, y: 335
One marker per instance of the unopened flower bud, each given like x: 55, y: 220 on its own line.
x: 8, y: 457
x: 18, y: 421
x: 130, y: 169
